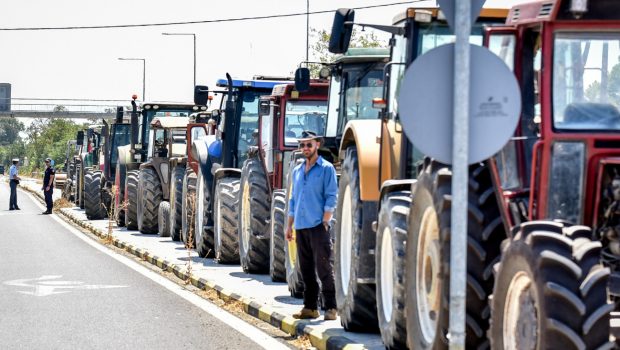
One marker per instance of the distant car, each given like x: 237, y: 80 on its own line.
x: 1, y: 169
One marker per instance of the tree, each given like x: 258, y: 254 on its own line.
x: 9, y: 130
x: 320, y: 44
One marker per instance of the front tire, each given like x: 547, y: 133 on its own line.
x: 390, y: 268
x: 550, y: 291
x: 428, y: 256
x: 356, y: 300
x: 277, y: 269
x: 176, y: 203
x: 131, y: 189
x: 253, y: 212
x: 150, y: 194
x: 189, y: 209
x: 93, y: 205
x: 203, y: 233
x: 163, y: 219
x: 225, y: 221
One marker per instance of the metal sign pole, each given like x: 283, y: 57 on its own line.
x: 460, y: 150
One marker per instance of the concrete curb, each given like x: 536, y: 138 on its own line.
x: 322, y: 340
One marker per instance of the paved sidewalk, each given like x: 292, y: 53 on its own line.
x: 262, y: 298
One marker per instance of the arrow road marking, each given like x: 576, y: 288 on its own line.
x: 49, y: 285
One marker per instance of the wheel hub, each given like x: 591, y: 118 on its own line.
x: 387, y: 274
x: 346, y: 238
x: 520, y: 314
x: 428, y: 280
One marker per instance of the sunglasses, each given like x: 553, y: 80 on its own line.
x: 305, y: 145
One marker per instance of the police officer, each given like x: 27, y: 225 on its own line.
x: 311, y: 207
x: 48, y: 186
x: 13, y: 182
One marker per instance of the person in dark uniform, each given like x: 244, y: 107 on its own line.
x: 312, y: 204
x: 13, y: 182
x: 48, y: 186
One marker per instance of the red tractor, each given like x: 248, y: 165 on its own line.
x: 553, y: 191
x: 282, y: 117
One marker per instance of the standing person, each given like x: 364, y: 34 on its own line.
x: 48, y: 186
x: 13, y: 182
x: 311, y: 208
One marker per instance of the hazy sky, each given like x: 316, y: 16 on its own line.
x: 83, y: 63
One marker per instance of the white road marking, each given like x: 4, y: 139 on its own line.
x: 44, y: 286
x: 256, y: 335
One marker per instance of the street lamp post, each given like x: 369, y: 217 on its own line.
x: 193, y: 35
x: 143, y: 73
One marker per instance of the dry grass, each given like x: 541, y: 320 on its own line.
x: 302, y: 342
x: 190, y: 236
x: 62, y: 203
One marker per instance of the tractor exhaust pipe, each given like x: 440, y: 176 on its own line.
x: 578, y: 7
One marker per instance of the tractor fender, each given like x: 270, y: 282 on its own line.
x: 227, y: 172
x: 124, y: 154
x: 390, y: 186
x: 365, y: 135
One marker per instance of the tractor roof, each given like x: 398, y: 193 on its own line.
x: 550, y: 10
x: 487, y: 14
x: 168, y: 106
x: 363, y: 54
x: 258, y: 84
x: 317, y: 88
x: 170, y: 122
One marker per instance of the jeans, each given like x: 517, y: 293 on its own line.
x: 13, y: 198
x: 48, y: 199
x: 315, y: 258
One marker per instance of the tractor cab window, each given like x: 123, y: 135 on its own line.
x: 434, y: 34
x: 362, y: 85
x: 586, y: 81
x: 249, y: 123
x: 121, y: 137
x: 396, y: 72
x: 178, y: 142
x: 304, y: 115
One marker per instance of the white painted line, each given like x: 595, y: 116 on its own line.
x: 256, y: 335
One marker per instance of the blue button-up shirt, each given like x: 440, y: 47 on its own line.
x: 314, y: 193
x: 12, y: 172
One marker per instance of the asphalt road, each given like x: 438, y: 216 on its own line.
x: 57, y: 291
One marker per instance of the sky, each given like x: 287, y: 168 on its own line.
x: 84, y: 63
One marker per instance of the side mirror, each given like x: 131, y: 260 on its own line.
x: 302, y: 79
x: 263, y: 107
x: 342, y: 28
x: 201, y: 95
x: 79, y: 139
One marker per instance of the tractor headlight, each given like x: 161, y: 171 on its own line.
x: 566, y: 178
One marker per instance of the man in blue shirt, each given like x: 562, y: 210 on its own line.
x: 311, y: 207
x: 13, y: 182
x: 48, y: 186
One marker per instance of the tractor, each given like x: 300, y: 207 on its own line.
x: 220, y: 158
x: 167, y: 148
x: 89, y: 143
x: 283, y: 116
x: 131, y: 156
x: 68, y: 170
x: 98, y: 181
x: 375, y: 186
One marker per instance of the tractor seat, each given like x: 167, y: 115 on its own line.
x: 592, y: 114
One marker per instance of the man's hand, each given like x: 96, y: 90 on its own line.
x: 289, y: 233
x: 47, y: 188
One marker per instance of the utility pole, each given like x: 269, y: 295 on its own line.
x: 307, y: 30
x: 193, y: 35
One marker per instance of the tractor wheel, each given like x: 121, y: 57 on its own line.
x: 356, y: 300
x: 106, y: 195
x: 92, y: 199
x: 277, y: 269
x: 428, y: 256
x: 253, y: 214
x: 390, y: 268
x: 131, y: 189
x: 225, y: 216
x: 188, y: 209
x: 293, y: 273
x: 203, y: 232
x: 150, y: 195
x: 79, y: 191
x: 550, y: 291
x: 176, y: 202
x: 119, y: 195
x: 163, y: 219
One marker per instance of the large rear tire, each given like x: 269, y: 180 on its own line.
x: 176, y: 203
x: 356, y: 299
x: 225, y: 221
x: 550, y: 291
x: 131, y: 189
x: 163, y: 219
x: 150, y: 194
x: 253, y: 215
x: 390, y: 268
x: 203, y: 232
x: 189, y: 209
x: 428, y: 256
x: 277, y: 269
x: 93, y: 204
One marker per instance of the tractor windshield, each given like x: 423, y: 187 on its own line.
x: 151, y: 114
x: 435, y: 34
x: 586, y: 81
x: 304, y: 115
